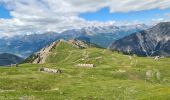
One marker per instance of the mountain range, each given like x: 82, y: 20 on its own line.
x: 25, y: 45
x: 154, y: 41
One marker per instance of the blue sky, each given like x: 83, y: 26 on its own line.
x: 4, y: 13
x: 105, y: 15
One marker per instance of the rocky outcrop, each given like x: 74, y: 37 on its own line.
x: 78, y: 43
x: 43, y: 53
x: 151, y: 42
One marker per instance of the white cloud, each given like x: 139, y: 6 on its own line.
x: 137, y: 5
x: 167, y: 14
x: 58, y: 15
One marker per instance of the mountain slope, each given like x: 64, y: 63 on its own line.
x: 151, y: 42
x: 8, y: 59
x: 56, y: 49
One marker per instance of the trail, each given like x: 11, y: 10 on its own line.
x: 85, y: 56
x: 71, y: 52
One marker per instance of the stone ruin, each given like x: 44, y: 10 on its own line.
x: 150, y: 74
x: 85, y: 65
x: 49, y: 70
x: 13, y: 65
x: 158, y: 75
x: 158, y: 57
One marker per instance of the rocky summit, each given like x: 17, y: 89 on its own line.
x: 151, y: 42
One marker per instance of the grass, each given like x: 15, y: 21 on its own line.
x: 115, y: 77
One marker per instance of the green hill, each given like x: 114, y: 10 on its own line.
x: 114, y: 77
x: 7, y: 59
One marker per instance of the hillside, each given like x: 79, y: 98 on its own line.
x: 8, y: 59
x: 115, y: 76
x: 151, y: 42
x: 60, y: 50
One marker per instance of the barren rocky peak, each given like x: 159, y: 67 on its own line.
x: 151, y: 42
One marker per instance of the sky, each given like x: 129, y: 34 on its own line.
x: 142, y: 16
x: 4, y: 13
x: 39, y: 16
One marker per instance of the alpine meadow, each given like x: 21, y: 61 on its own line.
x: 84, y: 50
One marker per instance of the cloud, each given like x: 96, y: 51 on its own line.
x: 137, y: 5
x: 59, y: 15
x: 167, y: 15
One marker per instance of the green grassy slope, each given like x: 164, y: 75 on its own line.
x: 115, y: 77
